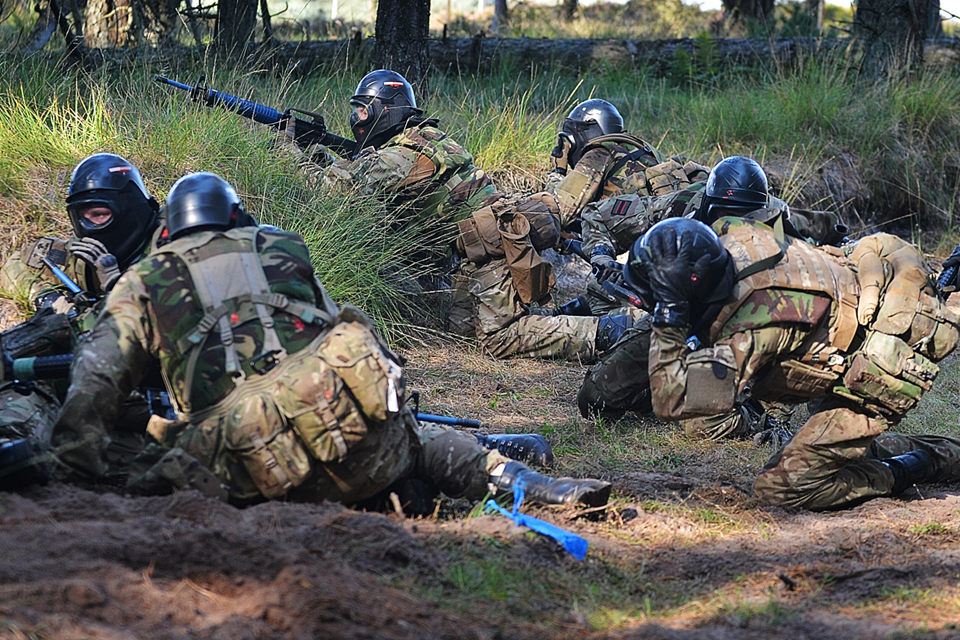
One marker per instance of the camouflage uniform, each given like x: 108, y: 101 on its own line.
x: 259, y: 375
x: 616, y: 164
x: 620, y: 382
x: 421, y: 168
x: 798, y: 328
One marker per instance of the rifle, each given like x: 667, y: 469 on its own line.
x: 308, y: 132
x: 615, y: 291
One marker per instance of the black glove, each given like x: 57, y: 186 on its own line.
x: 672, y: 278
x: 92, y: 252
x: 560, y: 156
x: 605, y: 265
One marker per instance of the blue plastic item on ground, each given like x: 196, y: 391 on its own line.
x: 573, y: 543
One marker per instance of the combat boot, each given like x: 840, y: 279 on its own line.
x: 610, y: 329
x: 548, y: 490
x: 523, y: 447
x: 21, y: 465
x: 913, y: 467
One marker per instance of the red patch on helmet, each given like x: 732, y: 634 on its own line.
x: 393, y: 84
x: 298, y: 323
x: 123, y: 169
x: 234, y: 318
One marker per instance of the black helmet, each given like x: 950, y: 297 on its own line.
x: 710, y: 283
x: 387, y: 98
x: 107, y: 180
x: 203, y: 201
x: 588, y: 120
x: 737, y: 185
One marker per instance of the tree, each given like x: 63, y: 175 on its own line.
x: 501, y: 16
x: 743, y: 11
x: 403, y: 27
x: 815, y: 9
x: 890, y: 35
x: 113, y: 23
x: 568, y: 9
x: 235, y: 22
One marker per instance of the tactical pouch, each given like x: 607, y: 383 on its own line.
x: 542, y: 213
x: 791, y: 377
x: 711, y: 381
x: 479, y: 238
x: 934, y: 328
x: 256, y: 434
x: 886, y: 370
x: 532, y: 276
x: 666, y: 177
x: 46, y: 333
x: 334, y: 394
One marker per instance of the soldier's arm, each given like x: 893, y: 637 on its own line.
x: 686, y: 384
x: 618, y: 222
x: 378, y: 171
x: 109, y: 363
x: 581, y: 185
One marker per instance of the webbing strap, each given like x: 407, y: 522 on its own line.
x: 769, y: 261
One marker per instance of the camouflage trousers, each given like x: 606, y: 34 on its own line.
x: 503, y: 324
x: 400, y: 448
x: 620, y: 382
x: 833, y: 461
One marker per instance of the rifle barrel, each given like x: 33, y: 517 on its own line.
x: 457, y: 422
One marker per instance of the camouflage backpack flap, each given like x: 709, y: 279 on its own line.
x: 370, y: 371
x: 766, y: 259
x: 232, y: 288
x: 667, y: 177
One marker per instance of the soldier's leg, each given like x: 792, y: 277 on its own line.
x: 458, y: 466
x: 944, y: 450
x: 825, y: 466
x: 28, y: 411
x: 564, y: 337
x: 620, y: 381
x: 736, y: 424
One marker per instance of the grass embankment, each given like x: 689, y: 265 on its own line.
x: 901, y: 140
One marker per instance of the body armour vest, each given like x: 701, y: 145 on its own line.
x: 765, y: 259
x: 457, y: 187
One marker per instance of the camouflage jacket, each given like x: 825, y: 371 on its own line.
x: 617, y: 222
x: 153, y: 312
x: 421, y: 168
x: 790, y: 332
x: 605, y: 170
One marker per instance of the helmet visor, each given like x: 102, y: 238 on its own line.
x: 92, y: 214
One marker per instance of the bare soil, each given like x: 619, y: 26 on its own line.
x: 88, y: 562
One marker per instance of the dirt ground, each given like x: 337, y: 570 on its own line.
x: 88, y: 562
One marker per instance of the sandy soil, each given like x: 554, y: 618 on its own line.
x: 87, y: 562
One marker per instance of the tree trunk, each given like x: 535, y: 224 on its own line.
x: 568, y: 9
x: 108, y: 23
x: 402, y: 31
x: 934, y: 23
x: 235, y: 22
x: 890, y: 34
x: 741, y: 11
x: 815, y: 9
x: 501, y: 18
